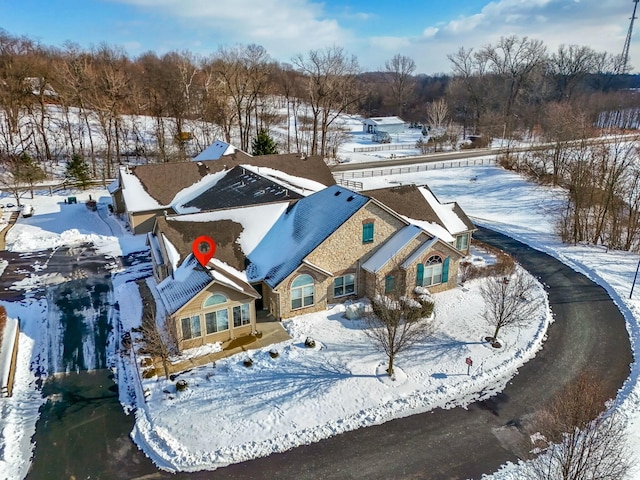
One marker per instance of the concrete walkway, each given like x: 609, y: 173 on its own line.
x: 12, y: 220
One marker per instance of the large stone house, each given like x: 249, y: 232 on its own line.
x: 293, y: 257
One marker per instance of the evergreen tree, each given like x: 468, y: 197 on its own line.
x: 263, y: 144
x: 78, y: 170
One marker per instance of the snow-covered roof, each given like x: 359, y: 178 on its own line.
x: 240, y: 186
x: 432, y: 228
x: 391, y: 247
x: 135, y: 196
x: 303, y: 186
x: 187, y: 194
x: 445, y: 212
x: 190, y: 278
x: 215, y: 151
x: 418, y: 205
x: 381, y: 121
x: 299, y: 231
x: 172, y: 252
x: 230, y: 277
x: 256, y: 221
x: 187, y: 281
x: 113, y: 186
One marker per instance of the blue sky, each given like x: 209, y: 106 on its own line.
x: 373, y: 30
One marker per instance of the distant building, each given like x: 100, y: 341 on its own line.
x: 386, y: 124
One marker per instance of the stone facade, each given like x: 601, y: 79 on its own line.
x: 344, y: 251
x: 196, y: 307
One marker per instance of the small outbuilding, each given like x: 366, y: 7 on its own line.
x: 386, y: 124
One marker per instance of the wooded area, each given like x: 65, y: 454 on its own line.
x: 100, y: 96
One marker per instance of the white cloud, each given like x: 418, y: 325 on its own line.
x: 283, y: 27
x: 600, y: 24
x: 430, y: 32
x: 288, y: 27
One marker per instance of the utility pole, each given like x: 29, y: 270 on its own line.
x: 624, y: 66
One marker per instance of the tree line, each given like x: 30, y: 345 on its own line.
x: 105, y: 106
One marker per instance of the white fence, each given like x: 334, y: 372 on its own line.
x: 384, y: 147
x: 423, y: 167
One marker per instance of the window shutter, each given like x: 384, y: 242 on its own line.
x: 445, y: 270
x: 419, y: 274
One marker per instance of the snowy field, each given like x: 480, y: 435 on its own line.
x: 294, y: 387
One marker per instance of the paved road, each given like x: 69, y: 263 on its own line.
x: 464, y: 154
x: 589, y: 332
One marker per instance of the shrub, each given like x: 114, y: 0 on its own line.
x: 506, y: 162
x: 248, y: 362
x: 310, y: 343
x: 148, y: 373
x: 181, y: 385
x: 274, y: 353
x: 426, y: 308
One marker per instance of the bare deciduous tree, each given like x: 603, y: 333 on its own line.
x: 332, y: 88
x: 399, y: 72
x: 509, y: 300
x: 437, y: 113
x: 578, y: 439
x: 397, y: 322
x: 160, y: 338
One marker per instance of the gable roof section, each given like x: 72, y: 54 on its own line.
x: 300, y: 230
x: 420, y: 206
x: 382, y: 121
x: 224, y: 232
x: 391, y: 247
x: 187, y: 281
x: 162, y: 182
x: 237, y: 187
x: 215, y: 151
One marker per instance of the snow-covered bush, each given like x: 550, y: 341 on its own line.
x: 181, y: 385
x: 357, y: 310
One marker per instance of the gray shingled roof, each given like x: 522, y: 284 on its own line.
x: 299, y: 231
x: 186, y: 282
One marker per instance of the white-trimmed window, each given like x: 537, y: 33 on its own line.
x: 432, y: 274
x: 462, y: 242
x: 302, y: 292
x: 215, y: 299
x: 344, y: 285
x: 191, y: 327
x: 217, y: 321
x: 241, y: 315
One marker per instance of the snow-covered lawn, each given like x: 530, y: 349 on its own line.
x: 307, y: 394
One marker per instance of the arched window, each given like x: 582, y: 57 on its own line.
x: 215, y: 299
x: 432, y: 271
x: 302, y: 292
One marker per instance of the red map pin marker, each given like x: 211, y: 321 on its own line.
x: 203, y: 249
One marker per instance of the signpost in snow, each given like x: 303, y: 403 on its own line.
x: 469, y: 363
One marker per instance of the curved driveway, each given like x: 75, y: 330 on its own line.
x: 588, y: 332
